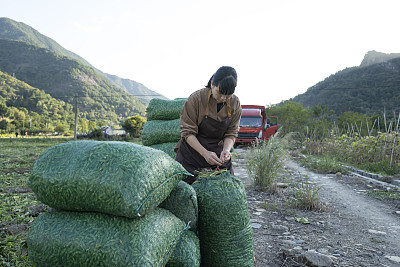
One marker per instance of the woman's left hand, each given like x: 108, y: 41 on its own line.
x: 225, y: 155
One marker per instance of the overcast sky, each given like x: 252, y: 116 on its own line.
x: 279, y: 48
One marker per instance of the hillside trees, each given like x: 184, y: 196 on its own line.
x: 366, y: 90
x: 25, y: 108
x: 4, y: 110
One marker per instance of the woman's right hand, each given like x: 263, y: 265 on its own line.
x: 209, y: 156
x: 212, y: 158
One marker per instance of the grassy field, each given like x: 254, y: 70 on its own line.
x: 18, y: 205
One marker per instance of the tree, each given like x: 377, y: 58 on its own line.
x: 321, y: 111
x: 354, y: 121
x: 3, y: 124
x: 92, y: 125
x: 60, y: 128
x: 99, y: 124
x: 321, y: 121
x: 4, y: 110
x: 134, y: 125
x: 293, y: 117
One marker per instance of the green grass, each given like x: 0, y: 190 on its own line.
x: 381, y: 167
x: 323, y: 164
x: 385, y: 194
x: 17, y: 202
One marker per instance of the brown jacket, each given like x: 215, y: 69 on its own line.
x: 194, y: 109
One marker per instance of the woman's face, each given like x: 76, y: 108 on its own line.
x: 218, y: 96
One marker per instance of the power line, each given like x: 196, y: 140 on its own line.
x: 355, y: 88
x: 72, y: 96
x: 105, y: 96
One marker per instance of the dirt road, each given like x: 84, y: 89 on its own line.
x: 355, y: 229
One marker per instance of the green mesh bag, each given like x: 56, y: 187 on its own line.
x: 158, y: 132
x: 182, y: 202
x: 226, y: 237
x: 64, y: 238
x: 117, y: 178
x: 167, y: 148
x: 161, y: 109
x: 187, y: 251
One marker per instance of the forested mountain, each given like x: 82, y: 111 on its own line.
x: 134, y: 88
x: 19, y: 101
x: 368, y: 89
x: 18, y: 31
x: 63, y: 78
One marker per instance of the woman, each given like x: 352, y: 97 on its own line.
x: 209, y: 125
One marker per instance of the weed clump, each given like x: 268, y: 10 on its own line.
x: 306, y: 196
x: 266, y: 161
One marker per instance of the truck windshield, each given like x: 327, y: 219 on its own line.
x: 250, y: 122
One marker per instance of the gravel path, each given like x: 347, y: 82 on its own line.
x: 355, y: 230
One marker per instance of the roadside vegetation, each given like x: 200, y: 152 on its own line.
x: 326, y: 144
x: 377, y: 154
x: 385, y: 194
x: 266, y: 161
x: 353, y: 139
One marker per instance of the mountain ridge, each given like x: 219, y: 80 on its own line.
x: 375, y: 57
x: 19, y: 31
x: 63, y: 78
x: 369, y: 88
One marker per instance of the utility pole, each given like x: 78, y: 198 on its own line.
x: 76, y: 115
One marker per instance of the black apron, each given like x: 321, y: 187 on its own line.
x: 210, y: 135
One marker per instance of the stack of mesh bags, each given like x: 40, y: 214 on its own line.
x: 162, y: 129
x: 224, y: 229
x: 223, y: 223
x: 106, y: 199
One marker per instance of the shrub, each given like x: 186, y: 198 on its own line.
x: 96, y: 134
x: 265, y: 161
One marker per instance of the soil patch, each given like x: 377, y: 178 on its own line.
x: 16, y: 190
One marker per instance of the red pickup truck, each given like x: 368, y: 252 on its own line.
x: 254, y: 124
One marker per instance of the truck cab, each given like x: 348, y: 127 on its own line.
x: 254, y: 124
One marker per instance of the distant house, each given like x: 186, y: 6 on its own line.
x: 109, y: 131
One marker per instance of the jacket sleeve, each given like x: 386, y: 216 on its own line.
x: 189, y: 116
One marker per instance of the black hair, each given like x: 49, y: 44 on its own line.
x: 226, y: 78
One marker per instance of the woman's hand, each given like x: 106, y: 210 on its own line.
x: 212, y: 158
x: 225, y: 156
